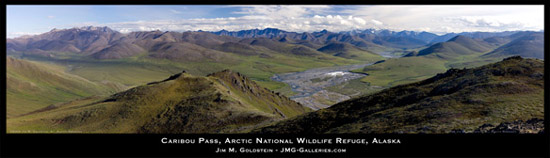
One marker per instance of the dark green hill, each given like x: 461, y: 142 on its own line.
x: 498, y: 41
x: 529, y: 46
x: 455, y: 47
x: 222, y: 102
x: 459, y: 99
x: 471, y: 44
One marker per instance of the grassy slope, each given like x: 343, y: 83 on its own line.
x: 402, y: 70
x: 223, y: 102
x: 459, y: 52
x: 458, y: 99
x: 34, y: 85
x: 354, y: 88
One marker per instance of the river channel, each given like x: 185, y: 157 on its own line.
x: 309, y: 85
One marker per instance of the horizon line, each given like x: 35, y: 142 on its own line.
x: 376, y: 29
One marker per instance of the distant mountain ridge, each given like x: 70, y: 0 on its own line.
x: 455, y: 47
x: 105, y: 43
x: 525, y: 44
x: 529, y: 45
x: 367, y: 34
x: 86, y: 40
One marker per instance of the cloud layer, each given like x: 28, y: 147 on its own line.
x: 310, y: 18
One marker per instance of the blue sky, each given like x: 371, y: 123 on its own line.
x: 35, y: 19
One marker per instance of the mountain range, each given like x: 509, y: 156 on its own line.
x: 105, y: 43
x: 362, y: 38
x: 525, y: 44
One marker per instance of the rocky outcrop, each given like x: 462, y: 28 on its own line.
x: 534, y: 125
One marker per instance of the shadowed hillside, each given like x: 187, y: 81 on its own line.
x: 455, y: 47
x: 530, y: 46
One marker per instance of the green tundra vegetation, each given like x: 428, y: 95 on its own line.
x: 222, y: 102
x: 458, y: 52
x: 34, y: 85
x: 459, y: 99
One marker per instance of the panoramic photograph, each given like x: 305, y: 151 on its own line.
x: 275, y: 69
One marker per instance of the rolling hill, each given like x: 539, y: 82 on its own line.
x: 457, y: 100
x: 455, y: 47
x: 222, y: 102
x: 393, y: 72
x: 530, y: 45
x: 461, y: 51
x: 35, y: 85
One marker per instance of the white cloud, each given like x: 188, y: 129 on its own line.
x: 175, y: 11
x: 309, y: 18
x: 50, y: 16
x: 376, y: 22
x: 282, y: 11
x: 298, y: 24
x: 19, y: 34
x: 454, y: 18
x: 297, y: 18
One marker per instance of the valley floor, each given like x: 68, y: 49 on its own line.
x: 310, y: 87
